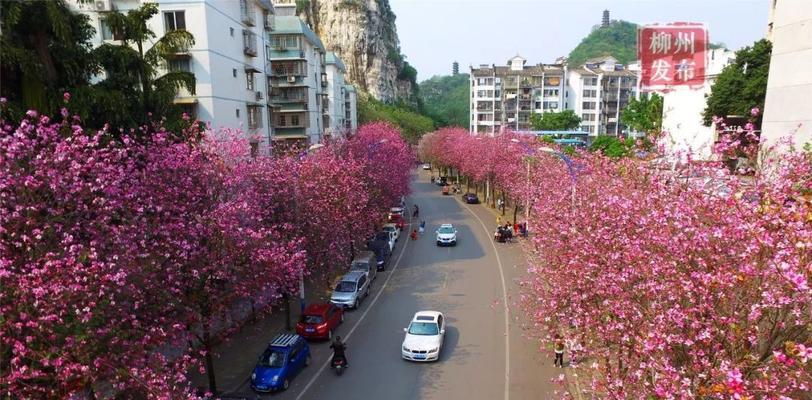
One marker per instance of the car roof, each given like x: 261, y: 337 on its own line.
x: 353, y: 276
x: 446, y: 226
x: 390, y: 226
x: 284, y: 340
x: 316, y: 309
x: 423, y: 315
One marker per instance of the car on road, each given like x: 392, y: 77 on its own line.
x: 396, y: 210
x: 441, y: 181
x: 446, y: 235
x: 396, y: 219
x: 286, y: 355
x: 381, y: 249
x: 319, y: 321
x: 471, y: 198
x: 393, y: 229
x: 424, y: 337
x: 351, y: 290
x: 446, y: 190
x: 426, y: 166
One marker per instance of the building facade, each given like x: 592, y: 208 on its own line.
x: 228, y: 57
x: 350, y: 108
x: 787, y: 109
x: 504, y: 97
x: 335, y: 114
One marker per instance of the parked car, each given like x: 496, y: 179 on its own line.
x: 350, y: 290
x: 426, y: 166
x: 286, y: 356
x: 365, y: 261
x: 319, y: 321
x: 381, y: 250
x: 393, y: 229
x: 471, y: 198
x: 396, y: 210
x: 396, y: 219
x: 384, y: 235
x: 446, y: 235
x: 424, y: 337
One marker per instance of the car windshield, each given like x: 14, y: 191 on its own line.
x: 389, y: 228
x: 423, y: 328
x: 272, y: 358
x: 382, y: 236
x: 312, y: 319
x: 359, y: 266
x: 446, y: 230
x: 345, y: 287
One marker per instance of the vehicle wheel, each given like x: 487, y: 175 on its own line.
x: 355, y: 306
x: 286, y: 384
x: 308, y: 360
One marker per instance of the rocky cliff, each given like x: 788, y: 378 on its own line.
x: 363, y: 34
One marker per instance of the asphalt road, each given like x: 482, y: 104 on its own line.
x: 486, y: 354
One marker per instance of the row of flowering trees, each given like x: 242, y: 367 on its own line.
x: 672, y: 290
x: 117, y: 250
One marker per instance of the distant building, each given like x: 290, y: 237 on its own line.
x: 504, y: 97
x: 227, y: 59
x: 684, y: 131
x: 605, y: 20
x: 455, y: 68
x: 350, y: 108
x: 598, y: 91
x: 787, y: 109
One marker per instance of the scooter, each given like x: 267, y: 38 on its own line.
x: 339, y: 364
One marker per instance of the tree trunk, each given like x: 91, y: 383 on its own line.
x: 286, y: 299
x: 209, y: 359
x: 504, y: 203
x: 515, y: 211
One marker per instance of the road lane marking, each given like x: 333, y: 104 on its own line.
x: 504, y: 302
x: 349, y: 334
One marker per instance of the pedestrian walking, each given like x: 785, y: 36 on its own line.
x: 432, y: 179
x: 498, y: 221
x: 422, y: 228
x: 559, y: 351
x: 414, y: 234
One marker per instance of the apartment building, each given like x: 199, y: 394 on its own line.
x: 228, y: 57
x: 299, y: 78
x: 600, y: 90
x: 350, y: 108
x: 334, y: 110
x: 504, y: 97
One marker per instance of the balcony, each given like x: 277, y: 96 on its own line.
x: 248, y: 12
x: 289, y: 68
x: 249, y: 43
x: 287, y: 81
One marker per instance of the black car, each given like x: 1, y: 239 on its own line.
x: 441, y: 181
x: 380, y: 247
x: 471, y: 198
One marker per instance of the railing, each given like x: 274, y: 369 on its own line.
x: 249, y: 43
x: 248, y: 12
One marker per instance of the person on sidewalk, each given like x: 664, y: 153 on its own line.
x: 414, y: 234
x: 416, y: 211
x: 559, y: 351
x: 498, y: 221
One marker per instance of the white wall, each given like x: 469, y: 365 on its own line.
x: 787, y: 108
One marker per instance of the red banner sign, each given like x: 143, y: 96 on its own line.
x: 672, y: 55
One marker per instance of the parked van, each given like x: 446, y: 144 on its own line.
x: 367, y: 262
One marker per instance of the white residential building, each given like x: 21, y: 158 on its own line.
x: 299, y: 81
x: 598, y: 91
x: 684, y: 133
x: 350, y: 108
x: 787, y: 109
x: 334, y: 114
x: 227, y: 58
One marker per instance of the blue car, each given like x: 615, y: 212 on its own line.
x: 285, y: 357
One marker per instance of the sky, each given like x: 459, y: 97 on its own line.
x: 435, y: 33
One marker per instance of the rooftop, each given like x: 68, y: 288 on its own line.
x: 332, y: 59
x: 295, y: 26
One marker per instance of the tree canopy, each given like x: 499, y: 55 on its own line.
x: 618, y: 40
x: 411, y: 124
x: 742, y: 85
x: 645, y: 114
x: 445, y: 100
x: 555, y: 121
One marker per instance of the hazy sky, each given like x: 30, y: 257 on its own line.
x: 434, y: 33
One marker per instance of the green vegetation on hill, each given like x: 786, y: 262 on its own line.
x: 618, y: 40
x: 412, y: 125
x: 445, y: 100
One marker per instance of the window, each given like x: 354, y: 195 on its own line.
x: 587, y: 117
x: 294, y: 120
x: 234, y: 72
x: 440, y: 321
x: 175, y: 20
x: 180, y: 64
x: 254, y: 117
x: 238, y: 113
x: 361, y: 281
x: 588, y: 105
x: 249, y: 80
x: 590, y: 93
x: 282, y: 42
x: 231, y: 32
x: 281, y: 121
x: 107, y: 33
x: 254, y: 149
x: 587, y: 128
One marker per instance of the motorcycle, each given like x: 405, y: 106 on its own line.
x: 339, y: 365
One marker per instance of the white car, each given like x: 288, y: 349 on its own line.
x: 396, y: 210
x: 427, y: 166
x: 446, y: 235
x: 424, y: 337
x: 393, y: 229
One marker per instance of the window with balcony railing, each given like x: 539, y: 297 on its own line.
x: 254, y: 117
x: 288, y: 68
x: 288, y: 94
x: 285, y: 42
x: 249, y: 42
x: 248, y: 12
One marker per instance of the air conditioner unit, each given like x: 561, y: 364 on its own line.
x: 259, y: 96
x: 102, y: 5
x: 291, y: 79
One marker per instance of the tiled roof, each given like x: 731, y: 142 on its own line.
x: 295, y: 26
